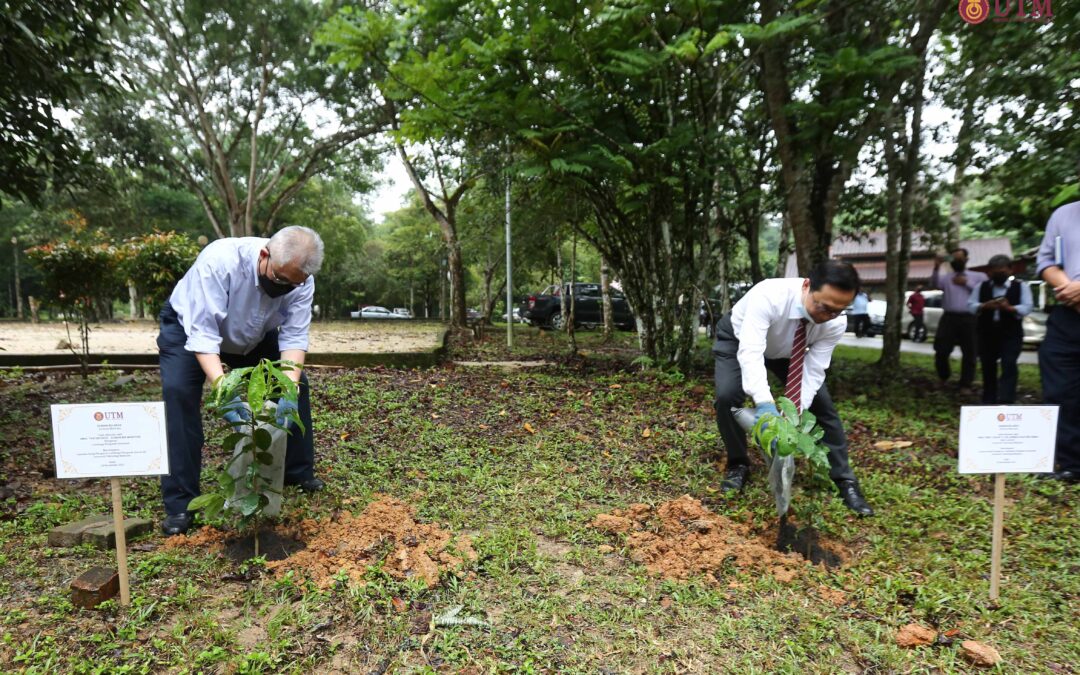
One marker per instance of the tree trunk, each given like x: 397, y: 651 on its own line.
x: 900, y: 226
x: 573, y: 296
x: 562, y: 280
x: 605, y: 297
x: 783, y: 250
x: 963, y: 157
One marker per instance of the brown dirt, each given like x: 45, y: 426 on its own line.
x: 386, y: 531
x: 681, y: 538
x: 205, y: 537
x: 914, y: 635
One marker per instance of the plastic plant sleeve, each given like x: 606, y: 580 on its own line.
x: 272, y: 473
x: 781, y: 469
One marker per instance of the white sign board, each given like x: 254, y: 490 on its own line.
x: 1007, y: 438
x: 98, y: 440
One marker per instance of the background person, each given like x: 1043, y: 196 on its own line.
x: 243, y: 300
x: 788, y: 326
x: 860, y: 313
x: 999, y: 305
x: 1058, y: 263
x: 957, y: 326
x: 916, y: 304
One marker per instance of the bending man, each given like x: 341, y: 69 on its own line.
x: 243, y: 300
x: 788, y: 326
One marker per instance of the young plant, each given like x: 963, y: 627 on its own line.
x: 793, y: 434
x: 256, y: 386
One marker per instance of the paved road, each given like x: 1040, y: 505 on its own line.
x: 1027, y: 356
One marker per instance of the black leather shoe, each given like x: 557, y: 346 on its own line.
x: 311, y: 485
x: 177, y: 524
x: 853, y: 498
x: 735, y: 478
x: 1065, y: 476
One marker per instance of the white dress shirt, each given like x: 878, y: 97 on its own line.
x: 764, y: 322
x: 222, y: 309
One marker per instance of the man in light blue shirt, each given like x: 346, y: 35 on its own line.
x: 860, y: 313
x: 1000, y: 304
x: 243, y: 300
x: 1059, y: 354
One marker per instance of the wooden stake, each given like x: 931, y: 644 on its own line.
x: 999, y: 520
x: 121, y: 542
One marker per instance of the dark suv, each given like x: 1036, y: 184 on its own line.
x: 545, y: 309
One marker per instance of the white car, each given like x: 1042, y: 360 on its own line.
x: 403, y: 312
x: 374, y: 312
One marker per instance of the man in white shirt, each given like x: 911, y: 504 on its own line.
x: 243, y: 300
x: 782, y: 322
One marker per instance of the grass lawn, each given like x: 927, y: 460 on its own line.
x: 521, y: 461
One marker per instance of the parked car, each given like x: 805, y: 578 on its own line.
x: 403, y: 312
x: 517, y: 316
x: 931, y: 317
x: 374, y: 312
x: 544, y: 309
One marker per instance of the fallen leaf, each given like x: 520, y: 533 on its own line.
x: 892, y: 445
x: 528, y: 427
x: 434, y: 416
x: 615, y: 386
x: 646, y: 433
x: 979, y: 654
x: 399, y: 605
x: 914, y: 635
x: 344, y: 435
x: 484, y: 426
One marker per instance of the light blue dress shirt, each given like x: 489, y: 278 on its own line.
x: 861, y: 303
x: 1022, y: 310
x: 1061, y: 243
x: 222, y: 309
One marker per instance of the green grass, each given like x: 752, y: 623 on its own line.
x: 453, y: 443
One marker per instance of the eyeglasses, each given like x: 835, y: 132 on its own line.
x: 822, y: 308
x: 274, y: 277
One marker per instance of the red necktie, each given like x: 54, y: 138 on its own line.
x: 793, y: 390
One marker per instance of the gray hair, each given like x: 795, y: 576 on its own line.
x: 297, y: 244
x: 1000, y: 260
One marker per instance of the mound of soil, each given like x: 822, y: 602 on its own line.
x: 681, y: 539
x: 386, y: 532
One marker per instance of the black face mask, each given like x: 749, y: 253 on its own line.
x: 272, y: 289
x: 999, y: 279
x: 958, y: 265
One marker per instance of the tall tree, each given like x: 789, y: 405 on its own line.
x: 236, y: 103
x: 829, y: 74
x: 52, y: 53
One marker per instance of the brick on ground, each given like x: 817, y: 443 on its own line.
x: 94, y: 586
x: 66, y: 536
x: 103, y: 536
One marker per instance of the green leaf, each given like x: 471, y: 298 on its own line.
x: 807, y: 422
x: 247, y: 505
x: 264, y: 458
x: 787, y: 407
x: 256, y: 393
x: 205, y: 501
x: 1067, y: 193
x: 262, y: 438
x: 226, y: 482
x: 232, y: 439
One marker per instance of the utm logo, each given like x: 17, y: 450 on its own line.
x: 974, y: 11
x: 977, y: 11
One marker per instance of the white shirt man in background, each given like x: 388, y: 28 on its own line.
x: 760, y: 333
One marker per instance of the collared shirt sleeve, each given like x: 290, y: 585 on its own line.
x: 753, y: 336
x: 973, y: 301
x: 294, y: 330
x: 1047, y: 256
x: 205, y: 300
x: 1026, y: 302
x: 817, y: 361
x: 935, y: 278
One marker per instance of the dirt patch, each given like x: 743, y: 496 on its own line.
x: 140, y: 337
x: 273, y: 545
x: 387, y: 531
x: 914, y: 635
x: 681, y: 539
x: 205, y: 537
x: 806, y: 542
